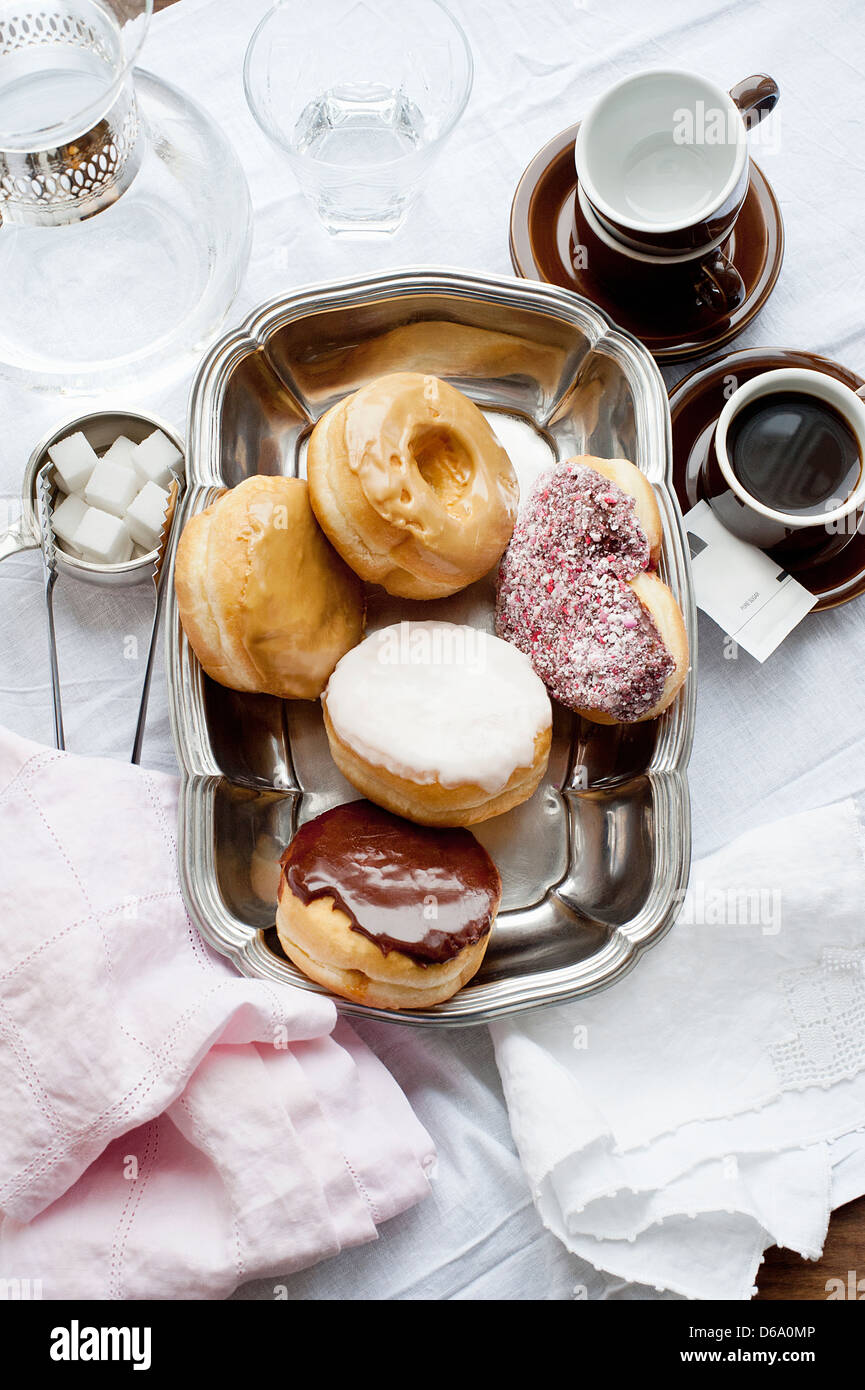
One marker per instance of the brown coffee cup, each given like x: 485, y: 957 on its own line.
x: 705, y: 277
x: 662, y: 159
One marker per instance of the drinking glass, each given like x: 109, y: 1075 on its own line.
x: 360, y: 95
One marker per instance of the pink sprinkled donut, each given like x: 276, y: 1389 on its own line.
x: 576, y: 593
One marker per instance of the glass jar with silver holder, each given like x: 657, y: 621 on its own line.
x: 125, y: 221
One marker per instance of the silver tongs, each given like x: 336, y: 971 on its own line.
x: 44, y: 510
x: 158, y: 569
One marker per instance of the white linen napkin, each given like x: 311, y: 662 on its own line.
x: 676, y: 1125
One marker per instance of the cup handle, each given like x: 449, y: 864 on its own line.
x: 755, y: 97
x: 718, y: 284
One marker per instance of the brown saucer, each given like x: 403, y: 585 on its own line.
x: 695, y: 404
x: 672, y: 327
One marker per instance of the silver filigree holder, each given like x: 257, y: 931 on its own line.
x: 72, y: 181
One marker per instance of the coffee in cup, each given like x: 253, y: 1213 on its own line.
x: 786, y: 470
x: 794, y: 452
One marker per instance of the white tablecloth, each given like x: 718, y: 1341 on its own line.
x: 771, y: 739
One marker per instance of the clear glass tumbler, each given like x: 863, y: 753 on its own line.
x: 360, y: 95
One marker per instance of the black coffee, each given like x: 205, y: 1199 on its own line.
x: 794, y: 453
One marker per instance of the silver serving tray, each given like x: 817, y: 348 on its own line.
x: 593, y: 867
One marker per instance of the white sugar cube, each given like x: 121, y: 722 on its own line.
x: 67, y: 517
x: 74, y: 460
x: 111, y: 487
x: 145, y: 516
x: 154, y: 458
x: 103, y: 538
x: 121, y: 451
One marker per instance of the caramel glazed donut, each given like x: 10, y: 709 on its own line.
x: 382, y: 912
x: 411, y: 486
x: 576, y: 593
x: 438, y: 722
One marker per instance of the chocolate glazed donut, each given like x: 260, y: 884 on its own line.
x: 385, y: 912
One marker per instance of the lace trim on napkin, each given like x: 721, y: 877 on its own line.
x: 827, y: 1006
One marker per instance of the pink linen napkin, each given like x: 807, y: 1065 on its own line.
x: 168, y: 1128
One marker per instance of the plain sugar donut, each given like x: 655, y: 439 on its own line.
x: 266, y: 603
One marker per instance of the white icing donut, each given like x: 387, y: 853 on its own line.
x: 439, y: 702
